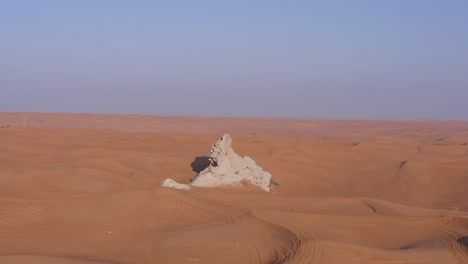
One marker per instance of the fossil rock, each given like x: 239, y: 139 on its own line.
x: 228, y: 168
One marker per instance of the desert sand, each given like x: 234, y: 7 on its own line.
x: 84, y: 188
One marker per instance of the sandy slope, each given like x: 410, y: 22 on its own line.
x: 85, y: 189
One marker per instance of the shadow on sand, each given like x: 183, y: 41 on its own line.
x: 200, y: 163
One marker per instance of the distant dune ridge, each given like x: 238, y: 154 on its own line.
x: 226, y: 168
x: 78, y: 188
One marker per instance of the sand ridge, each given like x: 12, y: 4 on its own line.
x: 351, y: 191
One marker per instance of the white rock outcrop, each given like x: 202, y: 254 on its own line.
x: 170, y: 183
x: 227, y: 168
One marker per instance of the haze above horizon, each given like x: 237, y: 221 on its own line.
x: 305, y: 59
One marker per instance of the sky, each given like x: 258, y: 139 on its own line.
x: 393, y: 59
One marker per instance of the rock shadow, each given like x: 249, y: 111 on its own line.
x: 200, y: 163
x: 463, y: 240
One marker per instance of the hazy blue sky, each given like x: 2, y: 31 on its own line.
x: 319, y: 59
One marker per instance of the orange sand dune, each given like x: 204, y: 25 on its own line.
x: 79, y: 188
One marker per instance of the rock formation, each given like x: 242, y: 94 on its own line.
x: 170, y: 183
x: 226, y: 168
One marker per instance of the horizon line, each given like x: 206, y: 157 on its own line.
x: 292, y: 118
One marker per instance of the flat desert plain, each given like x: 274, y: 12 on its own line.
x: 84, y: 188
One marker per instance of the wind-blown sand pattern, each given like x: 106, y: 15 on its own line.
x: 84, y: 189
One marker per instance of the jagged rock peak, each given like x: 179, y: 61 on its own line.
x: 221, y: 149
x: 228, y: 168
